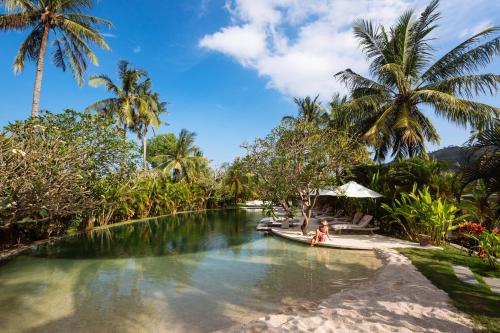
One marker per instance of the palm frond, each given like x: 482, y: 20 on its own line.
x: 58, y: 55
x: 355, y: 81
x: 467, y: 85
x: 19, y: 5
x: 104, y: 80
x: 84, y: 32
x: 15, y: 21
x: 30, y: 48
x: 372, y: 42
x: 458, y: 110
x: 465, y: 58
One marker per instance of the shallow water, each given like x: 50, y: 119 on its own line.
x: 190, y: 273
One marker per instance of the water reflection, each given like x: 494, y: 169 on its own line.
x: 193, y: 273
x: 157, y: 237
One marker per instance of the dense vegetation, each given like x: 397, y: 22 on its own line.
x: 385, y: 113
x: 64, y: 172
x: 71, y: 171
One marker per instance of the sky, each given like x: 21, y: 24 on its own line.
x: 230, y: 68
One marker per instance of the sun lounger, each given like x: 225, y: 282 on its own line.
x: 362, y: 225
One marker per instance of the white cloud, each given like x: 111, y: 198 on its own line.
x: 299, y: 45
x: 470, y: 31
x: 108, y: 35
x: 137, y: 49
x: 247, y: 43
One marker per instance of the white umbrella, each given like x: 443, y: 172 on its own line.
x: 355, y: 190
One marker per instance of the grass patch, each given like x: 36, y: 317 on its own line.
x: 479, y: 302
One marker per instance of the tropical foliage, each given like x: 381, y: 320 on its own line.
x: 50, y: 167
x: 135, y: 106
x: 64, y: 172
x: 489, y: 246
x: 419, y: 213
x: 72, y: 31
x: 298, y: 160
x: 405, y: 80
x: 180, y: 157
x: 310, y: 110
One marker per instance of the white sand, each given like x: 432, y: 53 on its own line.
x: 397, y: 299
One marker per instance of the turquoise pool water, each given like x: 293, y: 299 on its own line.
x: 190, y: 273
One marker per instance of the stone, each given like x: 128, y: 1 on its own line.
x: 464, y: 274
x: 493, y: 283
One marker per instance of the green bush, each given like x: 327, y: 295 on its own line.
x: 419, y: 213
x: 64, y: 172
x: 489, y: 246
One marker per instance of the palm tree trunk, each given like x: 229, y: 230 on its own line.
x: 125, y: 132
x: 144, y: 147
x: 39, y: 73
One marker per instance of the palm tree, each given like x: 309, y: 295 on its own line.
x: 341, y: 117
x: 183, y: 159
x: 310, y: 110
x: 237, y: 180
x: 72, y: 31
x: 405, y: 80
x: 150, y: 116
x: 128, y: 100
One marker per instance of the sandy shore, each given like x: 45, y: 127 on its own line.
x: 397, y: 299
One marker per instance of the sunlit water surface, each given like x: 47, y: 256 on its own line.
x: 190, y: 273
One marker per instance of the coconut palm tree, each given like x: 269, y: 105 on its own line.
x: 405, y: 80
x: 72, y: 31
x: 341, y: 117
x: 310, y: 110
x: 148, y: 117
x: 129, y: 100
x: 183, y: 159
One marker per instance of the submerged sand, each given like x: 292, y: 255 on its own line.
x: 397, y: 299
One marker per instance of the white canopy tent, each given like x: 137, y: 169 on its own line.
x: 351, y: 190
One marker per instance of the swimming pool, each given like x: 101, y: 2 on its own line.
x: 192, y: 272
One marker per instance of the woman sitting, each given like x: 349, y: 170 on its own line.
x: 321, y: 233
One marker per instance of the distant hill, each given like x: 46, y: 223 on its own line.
x: 453, y: 155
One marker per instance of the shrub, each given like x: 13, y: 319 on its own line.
x: 419, y: 213
x: 489, y: 246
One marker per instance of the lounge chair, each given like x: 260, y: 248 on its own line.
x: 362, y: 225
x: 346, y: 220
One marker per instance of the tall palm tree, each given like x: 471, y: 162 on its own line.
x: 150, y: 116
x: 183, y: 159
x: 404, y: 80
x: 310, y: 110
x: 128, y: 100
x: 72, y: 32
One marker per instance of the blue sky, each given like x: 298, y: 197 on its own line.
x: 229, y: 68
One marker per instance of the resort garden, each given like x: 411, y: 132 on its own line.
x: 65, y: 176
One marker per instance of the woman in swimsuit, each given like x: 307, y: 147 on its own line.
x: 321, y: 233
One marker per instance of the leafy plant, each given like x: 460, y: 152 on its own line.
x: 489, y: 247
x: 419, y: 213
